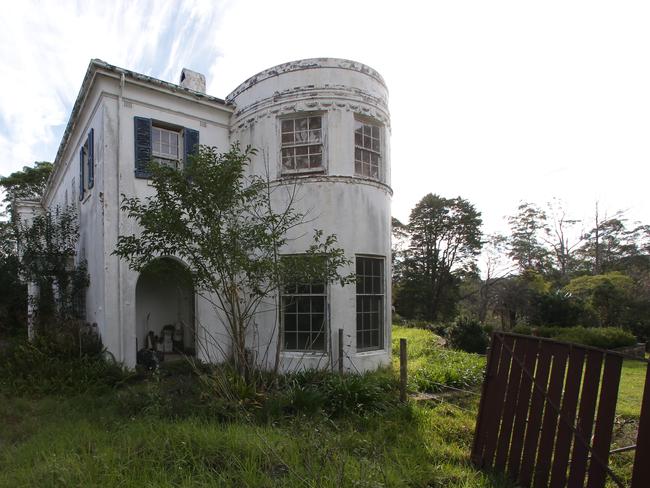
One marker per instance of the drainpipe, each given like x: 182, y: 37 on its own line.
x: 120, y: 322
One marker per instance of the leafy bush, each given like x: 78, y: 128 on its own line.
x: 522, y: 329
x: 468, y: 335
x: 32, y: 368
x: 601, y: 337
x: 604, y: 337
x: 640, y: 330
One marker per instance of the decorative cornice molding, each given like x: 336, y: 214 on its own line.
x: 312, y: 99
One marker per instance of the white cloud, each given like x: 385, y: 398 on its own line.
x: 494, y: 101
x: 45, y: 49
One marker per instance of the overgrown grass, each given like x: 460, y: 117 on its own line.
x: 80, y: 442
x: 173, y: 429
x: 431, y: 367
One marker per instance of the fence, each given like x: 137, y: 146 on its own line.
x: 547, y: 413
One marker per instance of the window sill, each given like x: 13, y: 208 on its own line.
x: 302, y: 354
x: 372, y: 352
x: 303, y: 172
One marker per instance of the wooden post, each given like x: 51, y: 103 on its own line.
x: 341, y: 351
x: 402, y: 370
x: 641, y: 469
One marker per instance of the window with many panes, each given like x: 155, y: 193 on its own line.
x: 165, y: 146
x: 302, y: 144
x: 367, y: 149
x: 304, y: 316
x: 370, y: 302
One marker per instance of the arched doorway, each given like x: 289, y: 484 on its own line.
x: 164, y: 307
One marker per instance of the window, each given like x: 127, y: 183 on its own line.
x: 87, y: 164
x: 302, y: 144
x: 367, y: 149
x: 370, y: 303
x: 304, y: 308
x: 164, y: 143
x: 165, y: 146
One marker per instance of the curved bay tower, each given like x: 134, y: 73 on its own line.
x: 323, y: 125
x: 321, y: 128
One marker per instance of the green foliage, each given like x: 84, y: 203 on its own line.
x: 559, y: 308
x: 606, y: 295
x: 41, y: 368
x: 468, y: 335
x: 604, y: 337
x: 13, y: 292
x: 445, y: 239
x: 526, y: 245
x: 226, y: 226
x: 601, y: 337
x: 447, y: 368
x: 28, y: 184
x: 85, y: 441
x: 432, y: 367
x: 48, y: 246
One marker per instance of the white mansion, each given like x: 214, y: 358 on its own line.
x: 322, y: 122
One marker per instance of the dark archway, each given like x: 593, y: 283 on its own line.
x: 164, y: 304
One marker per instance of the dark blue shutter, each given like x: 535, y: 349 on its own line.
x: 190, y: 144
x: 91, y: 158
x: 81, y: 173
x: 142, y: 138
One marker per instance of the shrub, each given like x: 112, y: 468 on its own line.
x: 603, y: 338
x: 522, y: 329
x: 32, y: 368
x: 640, y: 330
x: 468, y: 335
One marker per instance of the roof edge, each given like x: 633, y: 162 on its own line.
x: 301, y: 64
x: 93, y: 67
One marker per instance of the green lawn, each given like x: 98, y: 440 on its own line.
x: 101, y: 439
x: 631, y: 388
x: 133, y: 437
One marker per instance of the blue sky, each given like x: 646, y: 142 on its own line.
x: 497, y: 102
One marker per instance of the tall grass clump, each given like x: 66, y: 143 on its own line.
x: 41, y: 368
x: 432, y: 367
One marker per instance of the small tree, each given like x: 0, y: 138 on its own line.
x: 29, y: 183
x: 223, y: 224
x: 47, y: 247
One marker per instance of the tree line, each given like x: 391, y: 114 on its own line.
x: 549, y: 269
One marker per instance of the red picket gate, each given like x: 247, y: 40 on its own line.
x: 547, y: 413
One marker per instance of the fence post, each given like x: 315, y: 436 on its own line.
x: 340, y: 351
x: 641, y: 469
x: 402, y: 370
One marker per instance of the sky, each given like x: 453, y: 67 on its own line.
x: 498, y: 102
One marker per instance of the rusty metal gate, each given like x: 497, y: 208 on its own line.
x: 547, y: 413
